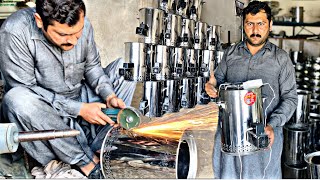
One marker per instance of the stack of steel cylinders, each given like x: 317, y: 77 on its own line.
x: 308, y: 78
x: 174, y: 56
x: 301, y: 133
x: 296, y: 138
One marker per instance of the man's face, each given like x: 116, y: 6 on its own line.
x: 257, y: 28
x: 64, y: 36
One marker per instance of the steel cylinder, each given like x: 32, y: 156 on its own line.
x: 151, y: 103
x: 296, y: 138
x: 135, y: 62
x: 126, y: 153
x: 190, y: 63
x: 313, y: 160
x: 172, y: 29
x: 200, y: 35
x: 297, y: 13
x: 189, y: 92
x: 301, y: 115
x: 151, y: 25
x: 167, y: 5
x: 314, y: 124
x: 177, y: 58
x: 207, y: 65
x: 182, y: 7
x: 198, y: 56
x: 202, y: 96
x: 160, y: 69
x: 195, y: 9
x: 239, y: 109
x: 214, y: 37
x: 172, y: 99
x: 299, y: 171
x: 187, y: 33
x: 314, y: 106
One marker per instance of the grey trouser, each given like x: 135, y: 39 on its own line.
x: 31, y: 112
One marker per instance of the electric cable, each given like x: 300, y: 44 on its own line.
x: 265, y: 169
x: 240, y: 165
x: 265, y: 121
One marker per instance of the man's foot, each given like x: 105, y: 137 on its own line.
x: 96, y: 172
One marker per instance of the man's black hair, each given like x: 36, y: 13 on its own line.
x: 62, y: 11
x: 256, y: 6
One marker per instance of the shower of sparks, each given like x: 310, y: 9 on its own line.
x: 171, y: 126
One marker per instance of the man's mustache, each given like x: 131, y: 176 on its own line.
x: 257, y: 35
x: 67, y: 44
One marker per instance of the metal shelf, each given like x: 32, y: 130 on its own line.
x: 295, y: 24
x: 287, y: 23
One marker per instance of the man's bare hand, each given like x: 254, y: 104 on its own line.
x: 210, y: 86
x: 269, y: 131
x: 92, y: 113
x: 113, y: 101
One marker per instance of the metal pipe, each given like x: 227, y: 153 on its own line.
x: 45, y: 135
x: 10, y: 136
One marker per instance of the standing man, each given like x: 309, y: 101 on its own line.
x: 54, y: 80
x: 257, y: 58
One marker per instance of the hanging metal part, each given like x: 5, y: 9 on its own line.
x: 124, y: 153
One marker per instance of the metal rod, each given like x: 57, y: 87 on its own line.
x: 45, y: 135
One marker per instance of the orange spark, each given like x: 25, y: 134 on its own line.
x: 172, y: 126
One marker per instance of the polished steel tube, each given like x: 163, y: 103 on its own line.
x: 172, y: 100
x: 177, y: 56
x: 151, y: 103
x: 187, y: 33
x: 189, y: 92
x: 296, y: 138
x: 207, y: 65
x: 301, y: 114
x: 313, y: 160
x: 153, y: 20
x: 172, y: 29
x: 167, y: 5
x: 135, y: 62
x: 46, y: 135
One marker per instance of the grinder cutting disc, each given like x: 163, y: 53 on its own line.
x: 129, y: 118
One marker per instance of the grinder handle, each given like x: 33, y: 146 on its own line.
x: 112, y: 113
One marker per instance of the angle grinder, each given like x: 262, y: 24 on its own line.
x: 127, y: 118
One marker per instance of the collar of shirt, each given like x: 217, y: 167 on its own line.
x: 36, y: 33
